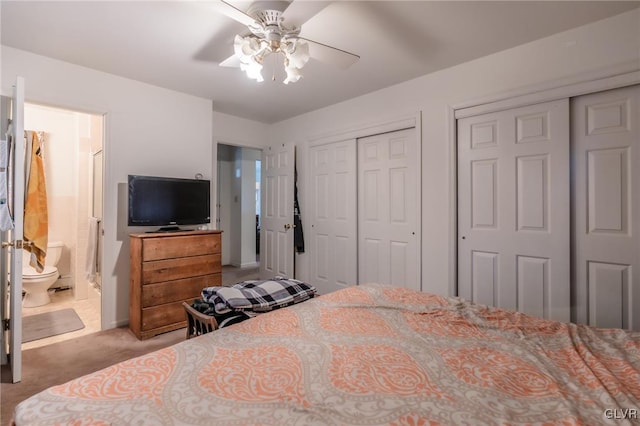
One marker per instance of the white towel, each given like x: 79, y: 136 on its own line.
x: 92, y: 250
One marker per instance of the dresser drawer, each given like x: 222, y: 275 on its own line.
x: 177, y: 290
x: 163, y: 315
x: 183, y: 246
x: 183, y: 267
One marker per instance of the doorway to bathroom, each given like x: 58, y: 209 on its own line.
x: 238, y: 211
x: 72, y: 153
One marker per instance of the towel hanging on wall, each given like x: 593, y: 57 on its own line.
x: 36, y: 218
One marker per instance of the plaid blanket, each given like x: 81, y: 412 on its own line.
x: 258, y: 296
x: 225, y: 319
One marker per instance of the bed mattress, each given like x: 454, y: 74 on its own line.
x: 366, y: 355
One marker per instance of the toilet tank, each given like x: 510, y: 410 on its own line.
x: 54, y: 251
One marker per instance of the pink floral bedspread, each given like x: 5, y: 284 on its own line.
x: 366, y: 355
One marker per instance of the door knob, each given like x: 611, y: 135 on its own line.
x: 288, y: 226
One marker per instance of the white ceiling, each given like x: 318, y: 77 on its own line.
x: 178, y: 44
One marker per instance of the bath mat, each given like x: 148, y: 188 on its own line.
x: 40, y: 326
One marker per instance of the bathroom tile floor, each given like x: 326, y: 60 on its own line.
x: 87, y: 309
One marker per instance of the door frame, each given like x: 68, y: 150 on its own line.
x: 357, y: 131
x: 214, y: 177
x: 108, y: 298
x: 617, y: 76
x: 81, y: 292
x: 12, y: 263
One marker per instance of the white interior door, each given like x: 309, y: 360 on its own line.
x: 5, y: 113
x: 276, y: 239
x: 12, y: 240
x: 514, y: 210
x: 333, y: 202
x: 606, y: 158
x: 388, y: 209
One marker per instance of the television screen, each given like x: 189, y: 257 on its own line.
x: 163, y: 201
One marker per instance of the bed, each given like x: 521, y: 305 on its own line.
x: 365, y: 355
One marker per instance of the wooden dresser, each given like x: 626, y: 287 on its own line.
x: 168, y: 268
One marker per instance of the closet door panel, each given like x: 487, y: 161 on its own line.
x: 608, y: 192
x: 388, y: 209
x: 333, y: 216
x: 513, y: 209
x: 533, y: 192
x: 609, y: 291
x: 533, y: 285
x: 606, y: 205
x: 484, y: 277
x: 484, y: 194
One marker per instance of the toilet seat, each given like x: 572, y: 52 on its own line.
x: 29, y: 272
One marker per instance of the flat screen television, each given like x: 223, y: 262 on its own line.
x: 168, y: 202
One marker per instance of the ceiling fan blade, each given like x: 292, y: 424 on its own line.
x: 331, y: 55
x: 232, y: 61
x: 299, y: 12
x: 234, y: 13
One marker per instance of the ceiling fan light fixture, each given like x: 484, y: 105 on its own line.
x: 253, y: 69
x: 265, y: 19
x: 251, y: 52
x: 245, y: 47
x: 293, y: 75
x: 297, y: 52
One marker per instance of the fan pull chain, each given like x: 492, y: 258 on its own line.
x: 273, y: 67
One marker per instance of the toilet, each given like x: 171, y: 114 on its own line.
x: 35, y: 284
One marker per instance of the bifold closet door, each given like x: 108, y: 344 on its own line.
x: 514, y: 209
x: 388, y: 209
x: 333, y: 234
x: 606, y: 152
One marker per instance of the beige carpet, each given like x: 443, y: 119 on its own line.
x: 232, y: 275
x: 60, y: 362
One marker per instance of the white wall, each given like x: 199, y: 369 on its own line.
x: 560, y: 57
x: 149, y: 130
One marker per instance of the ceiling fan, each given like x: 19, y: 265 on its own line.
x: 274, y: 27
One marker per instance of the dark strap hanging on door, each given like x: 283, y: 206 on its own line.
x: 298, y: 234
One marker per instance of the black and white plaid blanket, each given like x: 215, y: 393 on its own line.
x: 258, y: 296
